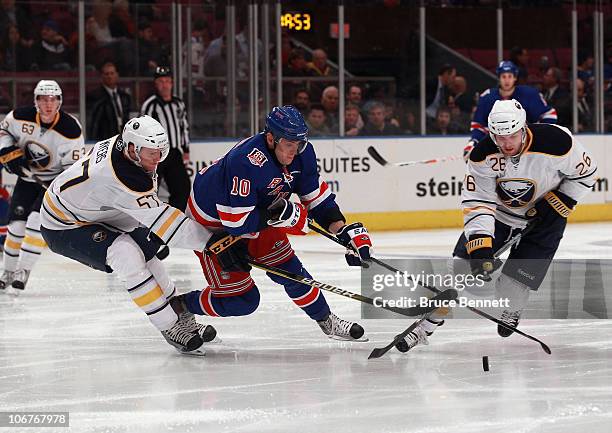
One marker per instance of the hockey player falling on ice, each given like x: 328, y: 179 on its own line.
x: 515, y: 176
x: 104, y: 212
x: 529, y: 97
x: 247, y: 193
x: 36, y: 143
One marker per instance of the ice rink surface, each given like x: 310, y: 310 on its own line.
x: 74, y: 341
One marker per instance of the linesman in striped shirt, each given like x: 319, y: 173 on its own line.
x: 169, y: 110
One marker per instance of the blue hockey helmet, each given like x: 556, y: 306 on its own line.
x: 287, y: 122
x: 506, y: 66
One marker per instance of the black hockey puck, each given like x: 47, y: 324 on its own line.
x: 485, y: 363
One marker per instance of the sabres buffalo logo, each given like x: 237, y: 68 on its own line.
x: 516, y: 193
x: 38, y: 155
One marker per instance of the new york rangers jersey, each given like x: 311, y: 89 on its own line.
x: 532, y: 101
x: 235, y: 191
x: 108, y: 189
x: 49, y: 149
x: 505, y: 188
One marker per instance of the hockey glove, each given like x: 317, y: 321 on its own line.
x: 468, y: 149
x: 289, y: 216
x: 14, y: 160
x: 231, y: 258
x: 482, y: 262
x: 357, y: 240
x: 551, y: 207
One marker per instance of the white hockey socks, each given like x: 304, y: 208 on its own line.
x: 517, y: 293
x: 12, y: 244
x: 33, y: 243
x: 126, y: 258
x: 156, y: 267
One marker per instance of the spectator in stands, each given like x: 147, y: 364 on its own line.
x: 585, y: 109
x: 242, y: 48
x: 121, y: 22
x: 201, y: 37
x: 296, y: 64
x: 17, y: 15
x: 354, y: 95
x: 520, y: 57
x: 112, y: 33
x: 316, y: 121
x: 585, y: 69
x: 301, y: 101
x: 109, y: 105
x: 329, y: 100
x: 443, y: 125
x: 319, y: 66
x: 438, y: 90
x: 463, y: 101
x: 556, y: 96
x: 52, y: 53
x: 376, y: 124
x: 351, y: 120
x: 390, y: 112
x: 150, y: 54
x: 17, y: 52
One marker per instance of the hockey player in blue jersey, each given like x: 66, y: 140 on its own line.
x: 247, y: 193
x: 538, y: 111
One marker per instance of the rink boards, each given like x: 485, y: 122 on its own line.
x: 411, y: 197
x: 418, y: 196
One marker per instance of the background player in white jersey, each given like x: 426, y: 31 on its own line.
x: 104, y: 212
x: 517, y: 175
x: 36, y: 143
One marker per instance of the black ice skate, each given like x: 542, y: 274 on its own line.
x: 207, y: 332
x: 339, y: 329
x: 184, y: 340
x: 6, y: 279
x: 510, y: 318
x: 20, y: 279
x: 416, y: 337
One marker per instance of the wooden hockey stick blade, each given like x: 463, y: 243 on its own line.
x: 446, y: 295
x: 377, y: 156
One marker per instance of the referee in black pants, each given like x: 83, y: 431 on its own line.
x: 169, y: 110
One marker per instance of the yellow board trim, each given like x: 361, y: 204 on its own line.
x: 34, y: 241
x: 149, y: 297
x: 12, y: 244
x: 418, y: 220
x: 162, y: 230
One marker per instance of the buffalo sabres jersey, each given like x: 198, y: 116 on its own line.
x: 532, y: 101
x: 49, y: 148
x: 235, y: 191
x: 504, y: 188
x: 106, y: 188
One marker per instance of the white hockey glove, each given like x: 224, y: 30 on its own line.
x: 289, y: 216
x: 355, y: 235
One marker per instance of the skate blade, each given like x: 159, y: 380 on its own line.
x: 354, y: 340
x: 197, y: 353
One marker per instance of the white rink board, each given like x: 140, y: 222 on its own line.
x: 362, y: 185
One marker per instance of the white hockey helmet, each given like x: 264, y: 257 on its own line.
x: 144, y: 131
x: 47, y: 88
x: 506, y: 118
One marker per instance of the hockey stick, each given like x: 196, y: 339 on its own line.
x: 225, y: 242
x: 382, y: 161
x: 508, y: 244
x: 449, y: 294
x: 411, y: 312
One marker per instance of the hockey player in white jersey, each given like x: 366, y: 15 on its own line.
x: 36, y: 143
x: 518, y: 175
x: 104, y: 212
